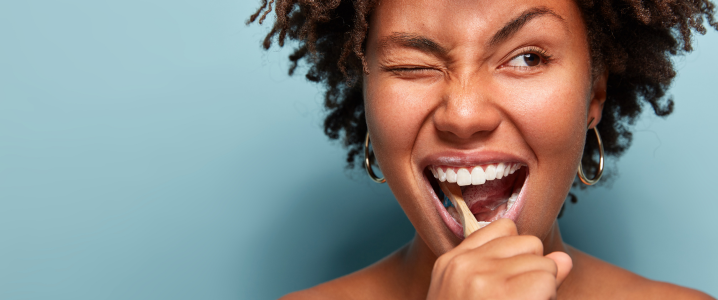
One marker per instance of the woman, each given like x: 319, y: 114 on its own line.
x: 495, y: 97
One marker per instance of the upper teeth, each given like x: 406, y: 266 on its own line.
x: 474, y: 175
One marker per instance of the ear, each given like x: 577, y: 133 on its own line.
x: 598, y: 98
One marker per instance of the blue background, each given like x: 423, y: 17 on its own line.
x: 151, y: 150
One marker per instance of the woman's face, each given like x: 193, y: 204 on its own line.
x: 468, y: 87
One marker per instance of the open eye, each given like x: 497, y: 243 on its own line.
x: 525, y: 60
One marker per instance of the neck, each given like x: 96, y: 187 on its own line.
x: 553, y: 242
x: 416, y: 264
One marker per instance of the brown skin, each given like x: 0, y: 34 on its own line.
x: 475, y: 99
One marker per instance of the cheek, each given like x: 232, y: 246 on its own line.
x: 395, y: 113
x: 550, y: 122
x: 550, y: 117
x: 552, y: 127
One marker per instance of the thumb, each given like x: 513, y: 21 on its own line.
x: 564, y: 264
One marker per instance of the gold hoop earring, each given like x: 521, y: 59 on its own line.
x: 581, y: 175
x: 368, y: 162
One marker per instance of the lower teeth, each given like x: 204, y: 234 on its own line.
x: 512, y: 200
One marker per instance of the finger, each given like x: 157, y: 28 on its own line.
x: 500, y: 229
x: 563, y: 263
x: 533, y: 285
x: 497, y: 229
x: 525, y: 263
x: 509, y: 246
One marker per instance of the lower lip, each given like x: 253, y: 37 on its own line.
x: 456, y: 227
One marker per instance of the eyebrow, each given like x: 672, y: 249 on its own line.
x: 426, y: 44
x: 517, y: 23
x: 414, y: 41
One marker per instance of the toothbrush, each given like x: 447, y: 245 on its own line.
x: 468, y: 220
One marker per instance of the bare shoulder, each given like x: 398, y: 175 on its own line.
x: 305, y: 294
x: 664, y: 290
x: 341, y: 288
x: 603, y: 280
x: 325, y: 290
x: 372, y: 282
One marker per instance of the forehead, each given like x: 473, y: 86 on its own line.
x: 447, y: 21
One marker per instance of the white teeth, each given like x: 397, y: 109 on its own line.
x: 490, y: 172
x: 442, y: 175
x: 500, y: 170
x: 478, y: 176
x: 450, y: 175
x: 463, y: 177
x: 512, y: 200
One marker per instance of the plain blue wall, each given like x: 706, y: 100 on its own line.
x: 150, y: 150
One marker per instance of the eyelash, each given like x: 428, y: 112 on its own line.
x: 409, y: 70
x: 545, y: 57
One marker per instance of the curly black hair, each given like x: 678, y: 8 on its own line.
x: 631, y: 39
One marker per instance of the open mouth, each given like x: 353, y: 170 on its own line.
x: 491, y: 191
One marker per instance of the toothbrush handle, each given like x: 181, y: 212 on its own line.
x: 468, y: 220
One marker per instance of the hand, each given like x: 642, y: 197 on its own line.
x: 497, y: 263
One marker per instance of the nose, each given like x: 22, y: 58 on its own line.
x: 467, y: 110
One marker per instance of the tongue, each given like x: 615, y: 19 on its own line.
x: 488, y: 196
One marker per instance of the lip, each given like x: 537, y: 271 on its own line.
x: 473, y: 158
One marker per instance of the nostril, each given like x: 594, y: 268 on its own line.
x: 463, y: 121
